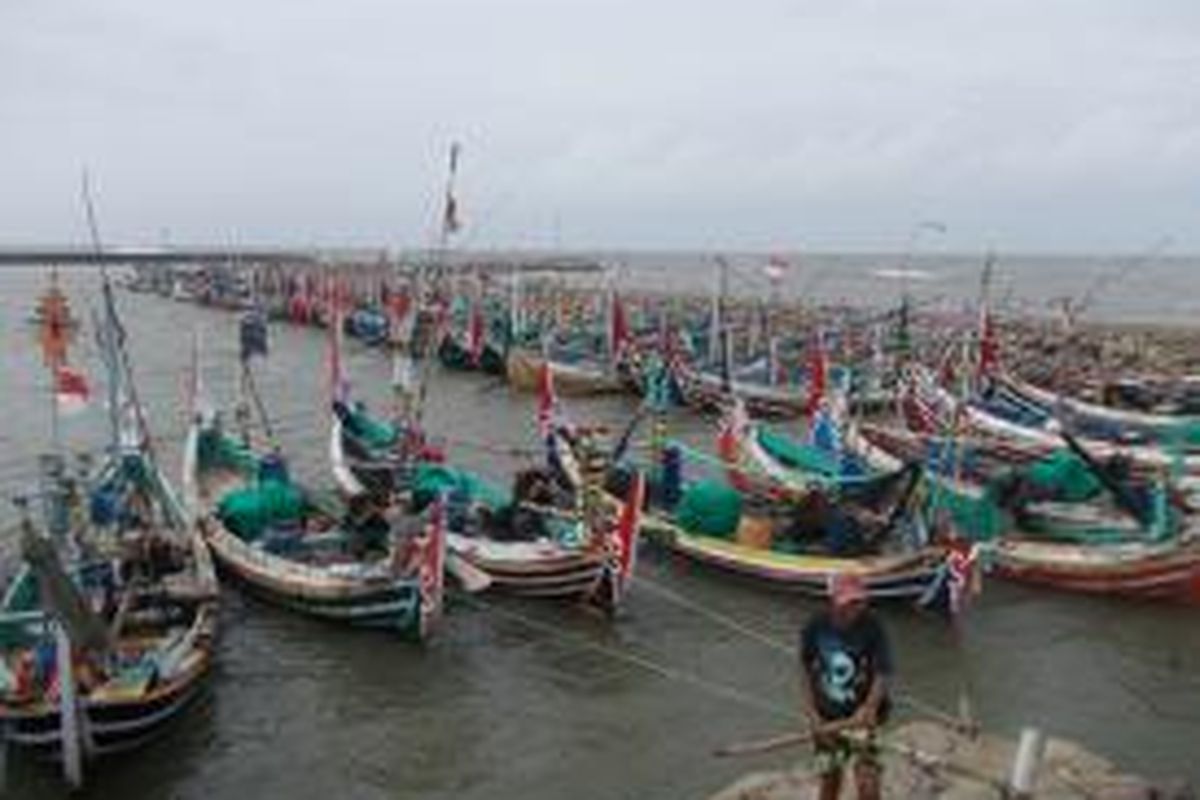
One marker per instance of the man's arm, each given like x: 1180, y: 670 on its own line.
x: 867, y: 715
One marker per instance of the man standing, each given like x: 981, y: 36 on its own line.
x: 846, y: 660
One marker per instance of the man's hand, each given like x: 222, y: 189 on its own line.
x: 865, y: 717
x: 823, y: 733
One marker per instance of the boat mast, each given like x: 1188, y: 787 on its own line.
x: 450, y: 225
x: 722, y: 328
x: 123, y: 396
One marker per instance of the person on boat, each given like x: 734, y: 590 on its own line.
x: 817, y: 524
x: 524, y: 519
x: 846, y: 661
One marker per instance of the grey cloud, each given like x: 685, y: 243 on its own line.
x: 1025, y: 125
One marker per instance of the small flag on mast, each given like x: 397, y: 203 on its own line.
x: 450, y: 221
x: 71, y: 390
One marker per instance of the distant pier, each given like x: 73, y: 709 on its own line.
x: 303, y: 258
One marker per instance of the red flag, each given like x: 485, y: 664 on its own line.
x: 546, y: 401
x: 624, y: 541
x: 618, y: 328
x: 71, y: 390
x: 818, y: 373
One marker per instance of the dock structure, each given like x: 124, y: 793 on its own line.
x: 304, y: 259
x: 924, y: 759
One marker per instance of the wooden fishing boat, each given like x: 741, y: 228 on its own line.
x: 107, y: 629
x: 454, y: 353
x: 157, y: 592
x: 577, y: 379
x: 559, y: 552
x: 887, y: 576
x: 707, y: 390
x: 776, y: 523
x: 535, y: 542
x: 1106, y: 422
x: 939, y: 410
x: 304, y: 556
x: 1167, y: 570
x: 1098, y: 552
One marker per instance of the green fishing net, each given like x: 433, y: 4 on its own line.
x: 432, y: 479
x: 710, y: 508
x: 249, y: 511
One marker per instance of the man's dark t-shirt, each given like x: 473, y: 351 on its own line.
x: 843, y: 662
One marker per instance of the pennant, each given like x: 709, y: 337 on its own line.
x: 71, y: 390
x: 546, y: 401
x: 818, y: 377
x: 624, y: 540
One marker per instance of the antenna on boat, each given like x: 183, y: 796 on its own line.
x: 113, y: 341
x: 450, y: 225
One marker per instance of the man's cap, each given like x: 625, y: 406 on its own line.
x: 846, y: 588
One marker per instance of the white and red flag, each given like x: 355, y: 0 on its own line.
x: 775, y: 269
x: 71, y: 390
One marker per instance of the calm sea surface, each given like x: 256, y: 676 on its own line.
x: 521, y: 699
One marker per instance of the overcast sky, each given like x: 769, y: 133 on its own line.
x: 1020, y: 124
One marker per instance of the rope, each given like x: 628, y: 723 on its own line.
x: 727, y: 622
x: 782, y: 648
x: 633, y: 659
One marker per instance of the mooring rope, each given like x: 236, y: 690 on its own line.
x: 782, y: 648
x: 664, y: 671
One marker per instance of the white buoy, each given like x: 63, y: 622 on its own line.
x: 1027, y: 763
x: 68, y: 710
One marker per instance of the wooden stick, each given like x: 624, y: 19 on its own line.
x: 780, y: 742
x: 784, y: 740
x: 920, y: 758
